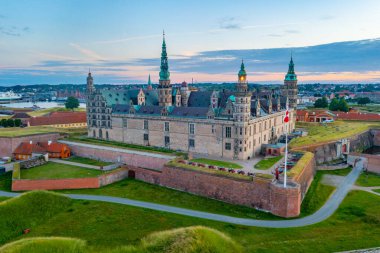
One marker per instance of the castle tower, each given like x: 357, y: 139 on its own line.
x: 164, y: 86
x: 242, y: 107
x: 90, y: 83
x: 290, y: 85
x: 241, y: 115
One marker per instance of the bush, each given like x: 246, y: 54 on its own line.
x: 17, y: 122
x: 185, y: 240
x: 10, y: 123
x: 4, y: 123
x: 45, y: 245
x: 28, y: 211
x: 16, y: 174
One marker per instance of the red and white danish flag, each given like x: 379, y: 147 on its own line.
x: 286, y: 118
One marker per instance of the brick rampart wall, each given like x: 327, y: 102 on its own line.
x: 114, y: 156
x: 69, y: 183
x: 54, y: 184
x: 259, y: 193
x: 9, y: 144
x: 305, y: 178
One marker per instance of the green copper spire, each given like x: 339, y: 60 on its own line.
x: 242, y: 70
x: 164, y: 69
x: 291, y: 75
x: 149, y: 81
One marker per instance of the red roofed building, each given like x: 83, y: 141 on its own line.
x: 314, y: 115
x: 355, y: 115
x: 60, y: 119
x: 55, y: 150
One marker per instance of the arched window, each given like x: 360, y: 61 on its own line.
x: 107, y: 137
x: 100, y: 134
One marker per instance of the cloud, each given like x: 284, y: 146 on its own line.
x: 229, y: 23
x: 275, y: 35
x: 14, y: 30
x: 292, y: 31
x: 87, y: 52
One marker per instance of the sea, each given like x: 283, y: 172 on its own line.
x: 39, y: 104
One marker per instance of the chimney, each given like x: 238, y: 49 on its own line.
x: 49, y: 142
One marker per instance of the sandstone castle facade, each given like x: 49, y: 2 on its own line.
x: 230, y: 124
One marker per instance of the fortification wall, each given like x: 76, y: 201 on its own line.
x: 9, y: 144
x: 305, y: 178
x: 260, y: 193
x: 133, y: 159
x: 69, y: 183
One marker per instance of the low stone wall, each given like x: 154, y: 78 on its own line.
x: 69, y: 183
x: 260, y: 193
x: 133, y: 159
x: 332, y: 167
x: 371, y: 162
x: 54, y: 184
x: 9, y: 144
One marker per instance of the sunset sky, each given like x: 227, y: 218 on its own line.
x: 57, y: 41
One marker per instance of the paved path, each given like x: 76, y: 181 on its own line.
x: 122, y: 150
x: 88, y: 166
x: 367, y: 189
x: 326, y: 211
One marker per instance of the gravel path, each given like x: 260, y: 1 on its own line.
x: 323, y: 213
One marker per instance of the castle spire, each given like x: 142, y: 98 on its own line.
x: 149, y: 81
x: 291, y: 75
x: 164, y: 68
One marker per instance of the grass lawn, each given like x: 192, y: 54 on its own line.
x: 217, y: 163
x: 355, y: 225
x: 52, y: 170
x: 318, y: 133
x: 116, y: 144
x: 266, y: 163
x: 53, y: 109
x: 86, y: 160
x: 134, y: 189
x: 340, y: 172
x: 17, y: 131
x: 317, y: 195
x: 6, y: 181
x: 368, y: 179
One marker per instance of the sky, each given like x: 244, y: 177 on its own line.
x: 57, y: 41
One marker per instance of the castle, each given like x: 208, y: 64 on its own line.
x: 230, y: 124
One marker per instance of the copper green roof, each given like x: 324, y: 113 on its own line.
x: 164, y: 69
x: 242, y: 70
x: 291, y: 75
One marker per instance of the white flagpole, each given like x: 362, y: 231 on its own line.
x: 286, y: 146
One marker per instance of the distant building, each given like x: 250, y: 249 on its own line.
x: 59, y: 120
x: 314, y: 115
x: 232, y: 124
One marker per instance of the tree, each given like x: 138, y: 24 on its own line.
x: 3, y: 123
x: 17, y: 122
x: 72, y: 103
x: 342, y: 105
x: 321, y: 103
x: 363, y: 101
x: 10, y: 122
x: 334, y: 105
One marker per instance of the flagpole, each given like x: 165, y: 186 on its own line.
x: 286, y: 152
x: 286, y: 142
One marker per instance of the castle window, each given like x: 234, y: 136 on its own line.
x: 241, y: 131
x: 212, y: 129
x: 191, y: 143
x: 146, y: 137
x: 125, y: 122
x: 228, y: 132
x: 166, y: 128
x: 227, y: 146
x: 146, y: 124
x: 191, y: 128
x: 167, y: 141
x: 265, y: 137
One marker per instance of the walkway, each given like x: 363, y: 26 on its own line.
x: 122, y: 150
x: 323, y: 213
x: 88, y: 166
x: 367, y: 189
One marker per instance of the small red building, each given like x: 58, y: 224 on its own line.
x: 55, y: 150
